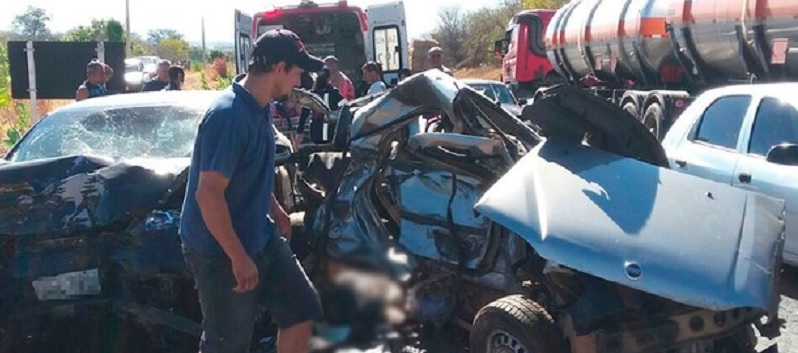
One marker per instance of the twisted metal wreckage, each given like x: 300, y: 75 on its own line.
x: 528, y: 233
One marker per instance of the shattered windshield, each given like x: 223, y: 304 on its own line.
x: 126, y: 132
x: 494, y: 92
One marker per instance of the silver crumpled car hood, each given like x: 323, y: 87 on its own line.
x: 680, y: 237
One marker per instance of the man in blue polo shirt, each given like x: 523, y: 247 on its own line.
x: 229, y: 243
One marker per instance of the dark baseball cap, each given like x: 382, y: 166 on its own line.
x: 283, y: 45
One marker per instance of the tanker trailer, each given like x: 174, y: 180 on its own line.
x: 651, y: 57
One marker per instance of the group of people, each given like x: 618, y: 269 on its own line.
x: 334, y: 86
x: 331, y: 80
x: 372, y: 71
x: 167, y: 78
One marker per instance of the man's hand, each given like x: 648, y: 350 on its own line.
x: 283, y: 222
x: 281, y: 218
x: 246, y: 274
x: 82, y: 93
x: 213, y: 206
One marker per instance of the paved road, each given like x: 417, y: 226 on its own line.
x: 788, y: 311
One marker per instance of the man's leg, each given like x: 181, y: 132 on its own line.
x: 289, y: 296
x: 294, y: 339
x: 228, y: 318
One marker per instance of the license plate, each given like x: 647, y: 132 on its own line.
x: 68, y: 285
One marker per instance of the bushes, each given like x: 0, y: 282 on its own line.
x: 467, y: 38
x: 14, y: 117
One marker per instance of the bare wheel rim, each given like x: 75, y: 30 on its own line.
x: 500, y: 341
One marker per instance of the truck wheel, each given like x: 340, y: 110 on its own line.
x: 653, y: 118
x: 515, y: 324
x: 631, y: 108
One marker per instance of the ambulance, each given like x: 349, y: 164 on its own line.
x: 353, y: 34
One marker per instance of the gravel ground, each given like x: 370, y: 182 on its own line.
x: 788, y: 311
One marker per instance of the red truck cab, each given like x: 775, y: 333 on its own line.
x: 523, y: 50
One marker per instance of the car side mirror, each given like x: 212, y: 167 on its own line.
x: 783, y: 154
x: 522, y: 101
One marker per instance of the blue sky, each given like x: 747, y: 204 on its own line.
x: 185, y: 16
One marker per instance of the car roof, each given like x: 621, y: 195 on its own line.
x: 198, y: 98
x: 759, y: 88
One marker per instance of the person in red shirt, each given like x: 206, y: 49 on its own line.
x: 339, y: 80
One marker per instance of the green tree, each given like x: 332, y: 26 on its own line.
x: 485, y: 27
x: 450, y: 33
x: 114, y: 31
x: 79, y: 34
x: 195, y: 54
x: 5, y: 81
x: 467, y: 38
x: 543, y: 4
x: 32, y: 24
x: 21, y: 116
x: 139, y: 47
x: 99, y: 30
x: 155, y: 36
x: 173, y: 48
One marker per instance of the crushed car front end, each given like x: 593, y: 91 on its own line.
x: 87, y: 240
x: 576, y: 212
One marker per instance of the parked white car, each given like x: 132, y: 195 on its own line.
x: 746, y: 136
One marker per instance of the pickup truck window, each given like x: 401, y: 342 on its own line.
x: 721, y: 122
x: 776, y: 122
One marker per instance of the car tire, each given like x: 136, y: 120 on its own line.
x: 515, y: 323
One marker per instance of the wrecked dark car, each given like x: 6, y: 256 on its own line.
x: 90, y: 203
x: 563, y: 231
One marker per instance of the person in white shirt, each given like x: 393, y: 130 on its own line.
x: 372, y: 74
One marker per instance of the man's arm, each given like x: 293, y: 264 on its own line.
x: 216, y: 214
x: 281, y: 218
x: 82, y: 93
x: 220, y: 145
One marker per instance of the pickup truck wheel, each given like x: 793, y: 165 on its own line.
x: 653, y: 118
x: 515, y: 324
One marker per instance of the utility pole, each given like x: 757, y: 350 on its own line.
x: 128, y: 43
x: 204, y: 58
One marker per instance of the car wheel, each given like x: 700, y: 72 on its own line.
x: 515, y: 324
